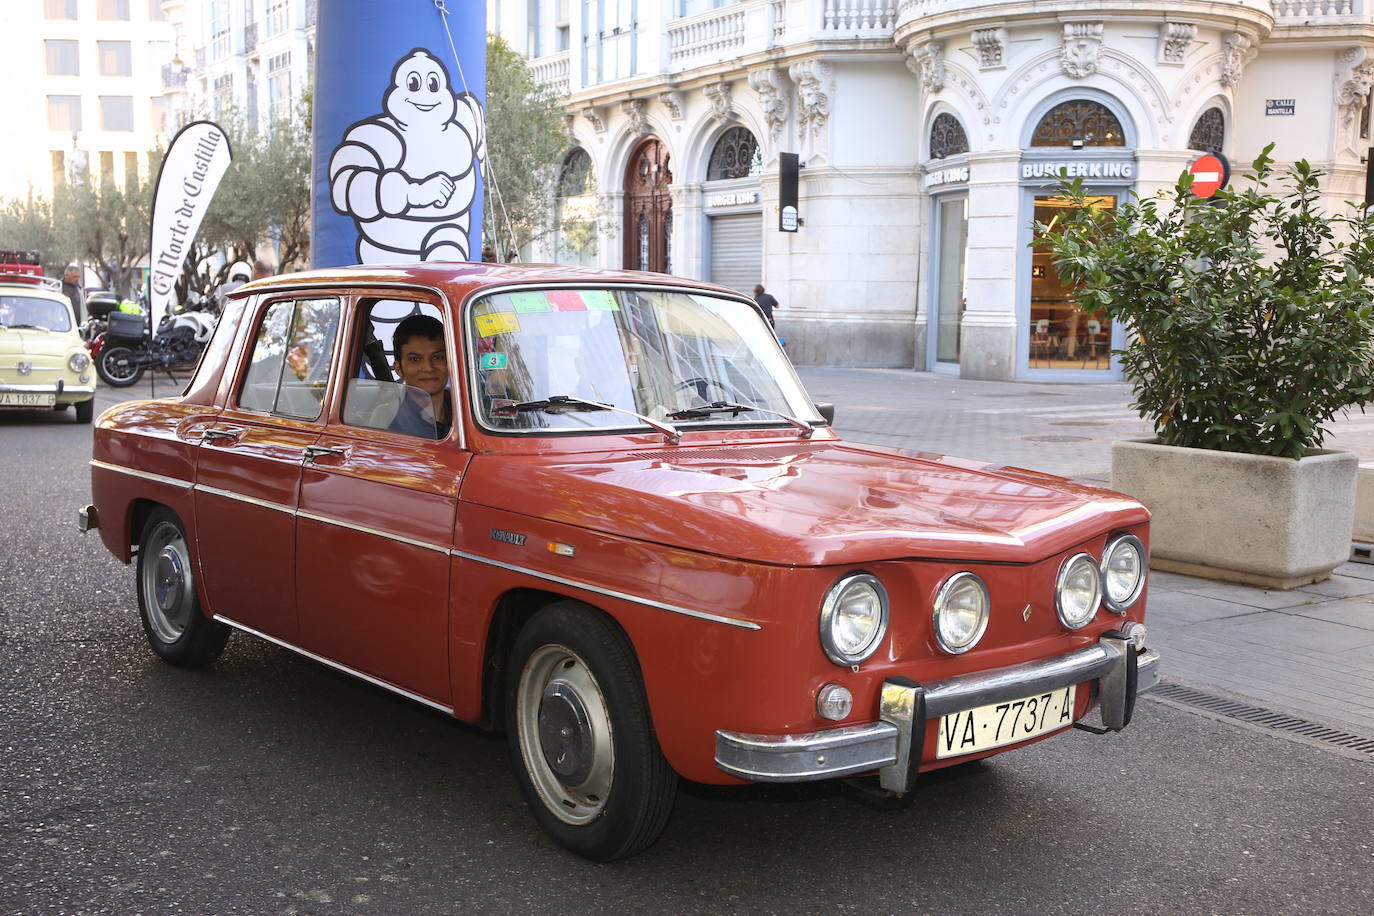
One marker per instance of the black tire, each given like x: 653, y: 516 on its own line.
x: 601, y: 788
x: 176, y: 627
x: 116, y: 367
x: 85, y: 410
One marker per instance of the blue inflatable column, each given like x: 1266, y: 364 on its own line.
x: 398, y: 131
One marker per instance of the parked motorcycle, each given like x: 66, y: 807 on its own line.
x: 127, y: 348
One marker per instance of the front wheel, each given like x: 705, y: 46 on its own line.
x: 581, y: 738
x: 85, y: 410
x: 117, y: 367
x: 176, y: 627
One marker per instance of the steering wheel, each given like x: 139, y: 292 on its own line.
x: 703, y: 384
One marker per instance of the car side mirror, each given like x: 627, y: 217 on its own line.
x: 827, y: 411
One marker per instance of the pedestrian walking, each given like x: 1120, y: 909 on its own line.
x: 71, y: 287
x: 765, y: 301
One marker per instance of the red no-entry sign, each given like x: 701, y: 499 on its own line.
x: 1209, y: 173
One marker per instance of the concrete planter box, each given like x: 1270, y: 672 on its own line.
x: 1272, y: 522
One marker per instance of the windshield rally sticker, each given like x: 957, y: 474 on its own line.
x: 508, y: 537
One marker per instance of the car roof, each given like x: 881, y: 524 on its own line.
x: 459, y: 279
x: 20, y: 288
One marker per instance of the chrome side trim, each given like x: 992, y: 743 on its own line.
x: 300, y: 513
x: 336, y: 666
x: 647, y: 602
x: 144, y: 475
x: 230, y: 494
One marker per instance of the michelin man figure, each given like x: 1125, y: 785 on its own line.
x: 408, y: 176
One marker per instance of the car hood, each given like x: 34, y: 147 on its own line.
x: 809, y: 503
x: 38, y: 343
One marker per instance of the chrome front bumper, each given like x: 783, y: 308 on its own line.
x: 893, y: 745
x: 59, y: 388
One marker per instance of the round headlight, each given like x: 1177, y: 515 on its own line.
x: 1078, y: 591
x: 961, y: 613
x: 1123, y: 572
x: 78, y: 361
x: 853, y: 619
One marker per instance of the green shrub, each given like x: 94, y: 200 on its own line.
x: 1249, y: 323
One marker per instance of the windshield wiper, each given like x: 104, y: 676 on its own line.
x: 730, y: 407
x: 557, y: 402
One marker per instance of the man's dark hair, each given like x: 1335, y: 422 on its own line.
x: 416, y: 326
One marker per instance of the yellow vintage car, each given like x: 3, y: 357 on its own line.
x: 43, y: 361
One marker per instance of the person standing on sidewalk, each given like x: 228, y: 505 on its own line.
x: 71, y: 287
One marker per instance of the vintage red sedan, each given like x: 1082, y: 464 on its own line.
x: 599, y: 511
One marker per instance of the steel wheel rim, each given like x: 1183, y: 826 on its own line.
x: 168, y: 590
x: 565, y: 734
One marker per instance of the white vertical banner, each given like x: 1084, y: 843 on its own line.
x: 191, y: 171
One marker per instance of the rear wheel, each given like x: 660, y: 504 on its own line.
x: 85, y: 410
x: 177, y: 630
x: 581, y: 739
x: 117, y: 367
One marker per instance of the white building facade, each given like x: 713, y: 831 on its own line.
x: 252, y: 57
x: 84, y: 80
x: 928, y: 133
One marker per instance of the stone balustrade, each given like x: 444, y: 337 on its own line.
x: 850, y: 16
x: 552, y: 71
x: 712, y: 35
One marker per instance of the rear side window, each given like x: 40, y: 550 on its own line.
x: 289, y: 371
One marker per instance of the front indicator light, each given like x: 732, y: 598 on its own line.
x: 961, y: 613
x: 834, y: 702
x: 1123, y: 572
x: 853, y: 619
x: 1078, y: 591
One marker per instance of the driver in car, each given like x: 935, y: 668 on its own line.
x: 422, y: 364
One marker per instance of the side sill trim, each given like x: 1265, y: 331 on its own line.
x: 648, y: 602
x: 336, y: 666
x: 146, y: 475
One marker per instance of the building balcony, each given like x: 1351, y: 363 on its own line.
x: 174, y: 76
x: 552, y: 70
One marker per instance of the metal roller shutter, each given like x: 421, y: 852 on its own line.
x: 737, y: 251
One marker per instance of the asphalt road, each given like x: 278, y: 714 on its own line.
x: 271, y: 785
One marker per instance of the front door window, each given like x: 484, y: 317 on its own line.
x: 1062, y: 335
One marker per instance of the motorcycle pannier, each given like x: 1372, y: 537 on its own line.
x: 125, y: 324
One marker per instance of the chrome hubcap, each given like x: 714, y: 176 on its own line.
x: 168, y: 591
x: 565, y: 734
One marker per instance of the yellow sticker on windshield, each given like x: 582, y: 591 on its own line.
x: 497, y: 323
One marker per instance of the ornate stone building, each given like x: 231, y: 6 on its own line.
x: 929, y: 132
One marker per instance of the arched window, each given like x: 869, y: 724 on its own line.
x: 736, y: 155
x: 1081, y: 121
x: 1209, y: 133
x: 577, y: 212
x: 947, y: 137
x: 575, y: 177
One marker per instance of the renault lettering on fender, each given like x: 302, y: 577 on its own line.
x: 597, y: 510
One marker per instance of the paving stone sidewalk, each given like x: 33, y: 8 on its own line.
x: 1308, y: 652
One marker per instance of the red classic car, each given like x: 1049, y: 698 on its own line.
x: 598, y: 510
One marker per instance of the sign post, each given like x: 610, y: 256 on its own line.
x: 1210, y: 174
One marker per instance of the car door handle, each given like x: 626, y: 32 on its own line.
x: 214, y: 435
x: 314, y: 451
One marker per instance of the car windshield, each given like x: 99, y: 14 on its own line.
x: 23, y: 312
x: 542, y: 355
